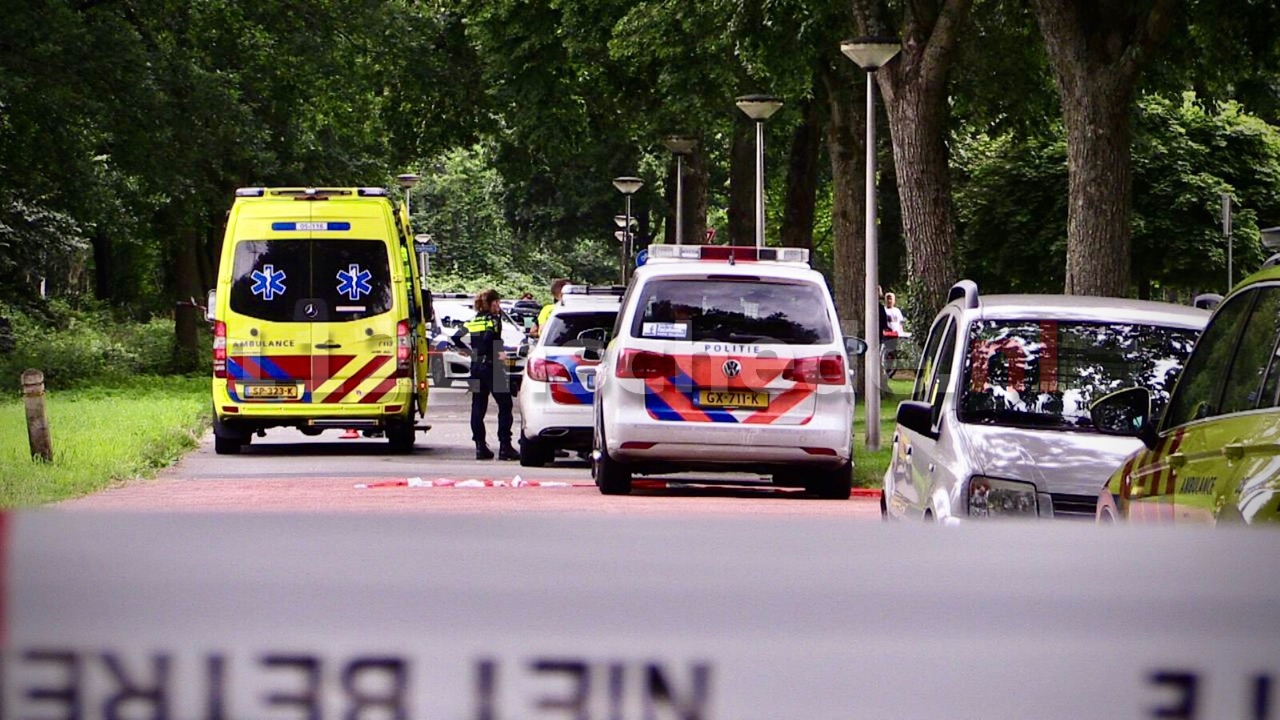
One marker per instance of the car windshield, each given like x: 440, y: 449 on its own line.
x: 733, y: 310
x: 1046, y: 373
x: 297, y: 280
x: 585, y: 329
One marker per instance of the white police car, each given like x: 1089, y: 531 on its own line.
x: 556, y: 399
x: 729, y: 359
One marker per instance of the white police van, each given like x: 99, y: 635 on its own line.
x: 559, y: 388
x: 727, y: 359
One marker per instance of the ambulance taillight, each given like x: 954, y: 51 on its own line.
x: 403, y: 350
x: 219, y: 349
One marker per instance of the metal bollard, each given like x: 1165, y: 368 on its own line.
x: 37, y: 421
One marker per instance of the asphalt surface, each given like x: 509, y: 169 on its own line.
x: 286, y: 471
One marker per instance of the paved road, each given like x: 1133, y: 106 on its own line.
x: 287, y: 471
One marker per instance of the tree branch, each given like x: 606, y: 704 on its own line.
x: 941, y: 49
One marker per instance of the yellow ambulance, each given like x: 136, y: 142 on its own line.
x: 318, y: 317
x: 1213, y: 455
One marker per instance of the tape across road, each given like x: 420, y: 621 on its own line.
x: 255, y: 617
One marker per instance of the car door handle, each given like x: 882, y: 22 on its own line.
x: 1234, y: 451
x: 328, y: 345
x: 1177, y: 460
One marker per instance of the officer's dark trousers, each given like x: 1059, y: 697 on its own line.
x: 486, y: 381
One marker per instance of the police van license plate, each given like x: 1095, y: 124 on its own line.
x: 271, y: 392
x: 733, y: 398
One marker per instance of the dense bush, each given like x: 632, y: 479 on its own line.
x: 76, y: 347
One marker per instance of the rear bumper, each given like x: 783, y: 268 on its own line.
x: 395, y: 404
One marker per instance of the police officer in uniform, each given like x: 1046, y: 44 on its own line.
x: 488, y: 374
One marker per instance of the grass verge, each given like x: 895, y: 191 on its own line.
x: 100, y: 437
x: 868, y: 465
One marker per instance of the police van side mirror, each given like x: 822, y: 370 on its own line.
x: 211, y: 305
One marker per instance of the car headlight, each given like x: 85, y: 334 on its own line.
x: 995, y: 498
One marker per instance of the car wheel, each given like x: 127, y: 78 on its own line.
x: 400, y: 436
x: 534, y: 453
x: 226, y: 441
x: 836, y: 484
x: 612, y: 477
x: 438, y: 377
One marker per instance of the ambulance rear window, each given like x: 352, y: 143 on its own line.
x: 733, y: 311
x: 311, y: 280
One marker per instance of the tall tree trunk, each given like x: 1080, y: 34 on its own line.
x: 742, y: 182
x: 846, y: 146
x: 914, y: 90
x: 103, y: 265
x: 918, y: 121
x: 802, y: 176
x: 1097, y: 50
x: 187, y: 287
x: 696, y: 181
x: 1100, y: 187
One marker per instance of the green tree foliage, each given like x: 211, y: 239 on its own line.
x: 1011, y: 199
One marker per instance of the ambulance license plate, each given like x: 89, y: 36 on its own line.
x: 271, y: 392
x: 733, y: 398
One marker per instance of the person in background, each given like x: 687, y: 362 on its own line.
x: 884, y: 314
x: 557, y: 287
x: 897, y: 323
x: 488, y: 374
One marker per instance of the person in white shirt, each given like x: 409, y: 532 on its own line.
x: 896, y: 319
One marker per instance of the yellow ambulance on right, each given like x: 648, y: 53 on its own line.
x: 1214, y: 454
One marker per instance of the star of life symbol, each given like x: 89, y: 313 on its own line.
x: 267, y: 282
x: 354, y: 282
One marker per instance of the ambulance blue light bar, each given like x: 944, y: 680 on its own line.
x: 250, y: 192
x: 310, y: 226
x: 734, y: 253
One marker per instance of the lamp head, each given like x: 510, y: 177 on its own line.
x: 680, y: 144
x: 628, y: 185
x: 872, y: 52
x: 759, y: 107
x: 407, y: 180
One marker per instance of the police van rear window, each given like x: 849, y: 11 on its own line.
x: 311, y: 280
x: 733, y: 311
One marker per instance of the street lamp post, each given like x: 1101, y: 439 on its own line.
x: 679, y: 145
x: 628, y: 186
x: 407, y: 181
x: 871, y: 54
x: 759, y: 108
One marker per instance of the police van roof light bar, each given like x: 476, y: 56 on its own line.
x: 732, y: 253
x: 593, y: 290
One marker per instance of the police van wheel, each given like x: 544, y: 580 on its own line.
x: 400, y: 436
x: 534, y: 453
x: 834, y: 484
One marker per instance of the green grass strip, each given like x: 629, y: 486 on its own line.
x: 101, y: 437
x: 869, y: 467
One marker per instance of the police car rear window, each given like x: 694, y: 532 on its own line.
x: 733, y: 311
x: 311, y: 280
x: 587, y: 329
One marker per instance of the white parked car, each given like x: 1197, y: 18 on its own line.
x: 998, y: 424
x: 559, y: 387
x: 726, y: 359
x: 446, y: 364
